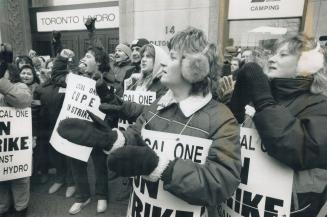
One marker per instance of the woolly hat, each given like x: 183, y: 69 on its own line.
x: 310, y: 62
x: 196, y: 66
x: 139, y: 42
x: 125, y: 49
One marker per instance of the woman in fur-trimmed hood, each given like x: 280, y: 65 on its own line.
x: 291, y: 115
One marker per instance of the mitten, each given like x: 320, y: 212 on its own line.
x: 240, y: 98
x: 258, y: 86
x: 105, y: 92
x: 87, y: 133
x: 90, y: 24
x: 137, y: 160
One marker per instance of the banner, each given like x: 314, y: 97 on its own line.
x: 106, y: 17
x: 261, y: 9
x: 149, y: 198
x: 80, y: 96
x: 266, y: 184
x: 139, y: 97
x: 15, y: 143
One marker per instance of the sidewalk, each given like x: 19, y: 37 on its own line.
x: 57, y: 205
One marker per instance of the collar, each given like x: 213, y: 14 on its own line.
x: 284, y: 88
x: 188, y: 106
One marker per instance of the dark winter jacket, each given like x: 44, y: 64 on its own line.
x: 294, y: 132
x: 121, y: 71
x: 51, y: 96
x: 203, y: 117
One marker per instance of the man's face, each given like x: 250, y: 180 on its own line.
x: 88, y: 65
x: 234, y: 65
x: 247, y: 56
x: 120, y: 55
x: 136, y: 57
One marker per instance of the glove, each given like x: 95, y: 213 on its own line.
x: 133, y: 161
x: 87, y: 133
x: 90, y: 24
x: 258, y: 86
x: 6, y: 53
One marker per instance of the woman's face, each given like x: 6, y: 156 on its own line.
x: 147, y: 62
x: 26, y: 75
x: 283, y: 64
x: 171, y: 70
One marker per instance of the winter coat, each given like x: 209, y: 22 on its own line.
x: 51, y: 97
x: 203, y: 117
x: 121, y: 71
x: 294, y: 132
x: 14, y: 94
x: 35, y: 109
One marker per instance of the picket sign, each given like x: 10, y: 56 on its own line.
x: 80, y: 96
x: 266, y: 184
x: 149, y: 198
x: 139, y: 97
x: 15, y: 143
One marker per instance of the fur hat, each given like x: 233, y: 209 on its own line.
x: 310, y: 62
x: 139, y: 42
x: 125, y: 49
x: 196, y: 66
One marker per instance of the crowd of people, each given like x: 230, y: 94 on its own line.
x: 196, y: 97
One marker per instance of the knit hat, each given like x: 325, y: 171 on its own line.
x: 125, y: 49
x: 310, y: 62
x: 139, y: 42
x: 196, y: 66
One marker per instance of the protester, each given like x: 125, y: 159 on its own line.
x: 291, y: 112
x: 121, y: 68
x: 93, y: 65
x: 149, y: 79
x: 13, y: 93
x: 186, y: 109
x: 51, y: 96
x: 247, y: 56
x: 136, y: 56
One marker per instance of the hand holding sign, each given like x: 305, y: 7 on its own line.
x: 87, y: 133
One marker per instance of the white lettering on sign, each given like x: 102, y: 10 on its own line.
x: 255, y: 9
x: 106, y: 17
